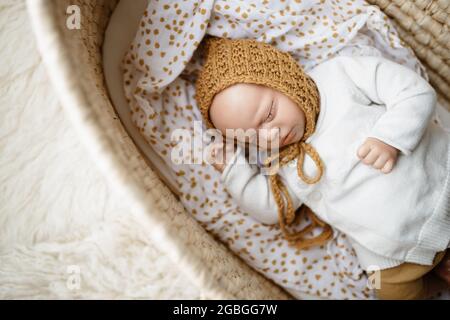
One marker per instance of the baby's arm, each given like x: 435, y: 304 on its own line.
x: 250, y: 188
x: 410, y: 102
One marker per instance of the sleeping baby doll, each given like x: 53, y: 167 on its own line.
x: 357, y: 150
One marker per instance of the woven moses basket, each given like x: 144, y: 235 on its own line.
x: 74, y: 63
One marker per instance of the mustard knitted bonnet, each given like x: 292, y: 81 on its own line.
x: 228, y: 62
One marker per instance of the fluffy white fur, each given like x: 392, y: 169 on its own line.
x: 56, y: 209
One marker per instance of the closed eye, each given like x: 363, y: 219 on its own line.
x: 271, y: 114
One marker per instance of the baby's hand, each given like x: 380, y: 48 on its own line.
x: 378, y: 154
x: 220, y: 154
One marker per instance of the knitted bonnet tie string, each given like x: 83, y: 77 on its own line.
x: 303, y: 148
x: 297, y: 238
x: 287, y: 216
x: 307, y: 148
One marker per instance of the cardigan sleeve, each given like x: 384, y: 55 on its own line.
x: 251, y: 189
x: 409, y: 99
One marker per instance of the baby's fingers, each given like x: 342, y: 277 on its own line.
x: 388, y: 166
x: 363, y: 150
x: 381, y: 161
x: 371, y: 157
x: 378, y: 155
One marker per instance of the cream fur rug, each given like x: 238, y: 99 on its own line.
x: 64, y: 233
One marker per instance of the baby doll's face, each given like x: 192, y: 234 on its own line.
x: 250, y: 106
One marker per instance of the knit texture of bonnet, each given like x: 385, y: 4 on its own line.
x: 228, y: 62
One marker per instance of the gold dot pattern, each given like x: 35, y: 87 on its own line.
x: 160, y: 69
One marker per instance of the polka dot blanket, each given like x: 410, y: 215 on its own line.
x: 160, y: 69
